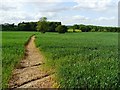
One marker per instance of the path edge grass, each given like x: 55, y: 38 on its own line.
x: 5, y: 85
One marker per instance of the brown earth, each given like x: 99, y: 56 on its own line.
x: 29, y: 73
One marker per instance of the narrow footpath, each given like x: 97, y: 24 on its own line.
x: 29, y: 73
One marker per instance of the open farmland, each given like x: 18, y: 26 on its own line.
x: 82, y: 60
x: 12, y: 52
x: 60, y: 44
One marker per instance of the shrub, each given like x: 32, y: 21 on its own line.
x: 93, y: 30
x: 61, y: 29
x: 77, y: 30
x: 104, y: 30
x: 70, y: 30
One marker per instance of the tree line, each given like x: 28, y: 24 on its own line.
x: 46, y: 26
x: 92, y: 28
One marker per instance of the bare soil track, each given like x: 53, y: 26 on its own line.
x: 29, y: 74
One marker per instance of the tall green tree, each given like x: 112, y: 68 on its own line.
x: 42, y: 25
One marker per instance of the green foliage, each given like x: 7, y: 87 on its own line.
x: 42, y: 25
x: 82, y: 60
x: 104, y: 30
x: 52, y: 26
x: 12, y: 52
x: 83, y: 28
x: 77, y: 30
x: 61, y: 29
x: 74, y: 27
x: 42, y: 19
x: 71, y: 30
x: 9, y: 27
x: 93, y: 30
x: 27, y: 26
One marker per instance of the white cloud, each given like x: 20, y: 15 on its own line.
x: 7, y: 8
x: 97, y: 5
x: 14, y: 17
x: 33, y: 1
x: 77, y: 19
x: 9, y: 5
x: 46, y: 14
x: 27, y: 10
x: 105, y: 18
x: 14, y: 11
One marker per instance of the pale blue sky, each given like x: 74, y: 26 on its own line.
x: 69, y: 12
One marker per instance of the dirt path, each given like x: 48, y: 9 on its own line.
x: 29, y: 73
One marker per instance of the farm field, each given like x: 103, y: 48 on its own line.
x: 82, y: 60
x: 12, y: 52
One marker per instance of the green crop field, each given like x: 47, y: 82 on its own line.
x: 82, y: 60
x: 12, y: 52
